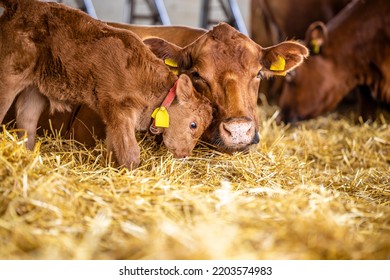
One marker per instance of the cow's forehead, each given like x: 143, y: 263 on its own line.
x: 238, y: 52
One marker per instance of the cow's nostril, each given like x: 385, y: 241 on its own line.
x: 227, y: 129
x: 250, y: 130
x: 256, y: 139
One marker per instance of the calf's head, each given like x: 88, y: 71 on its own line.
x: 189, y: 116
x: 226, y: 67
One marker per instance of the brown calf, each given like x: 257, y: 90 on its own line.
x: 86, y: 126
x: 354, y: 50
x: 62, y: 53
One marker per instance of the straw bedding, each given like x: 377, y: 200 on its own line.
x: 320, y: 190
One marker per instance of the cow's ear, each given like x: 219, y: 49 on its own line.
x: 316, y: 36
x: 282, y: 58
x: 184, y: 88
x: 167, y: 51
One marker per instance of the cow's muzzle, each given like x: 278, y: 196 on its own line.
x: 238, y: 134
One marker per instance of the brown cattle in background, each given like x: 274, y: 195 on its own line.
x: 273, y: 21
x: 354, y: 51
x: 54, y: 53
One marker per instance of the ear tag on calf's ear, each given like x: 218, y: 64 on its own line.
x: 161, y: 117
x: 172, y: 65
x: 170, y: 62
x: 279, y: 65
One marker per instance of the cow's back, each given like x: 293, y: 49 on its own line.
x: 178, y: 35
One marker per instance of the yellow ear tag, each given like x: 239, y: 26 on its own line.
x: 161, y: 117
x: 170, y: 62
x: 316, y: 47
x: 279, y: 64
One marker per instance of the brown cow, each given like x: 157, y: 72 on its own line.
x: 226, y: 66
x: 72, y: 58
x: 273, y: 21
x: 354, y: 50
x: 175, y: 34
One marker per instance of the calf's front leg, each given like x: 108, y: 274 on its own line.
x: 122, y: 141
x: 8, y: 93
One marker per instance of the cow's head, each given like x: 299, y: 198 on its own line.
x: 321, y: 82
x: 226, y: 67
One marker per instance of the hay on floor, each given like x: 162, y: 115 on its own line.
x: 317, y: 191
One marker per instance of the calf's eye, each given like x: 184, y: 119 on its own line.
x: 193, y: 125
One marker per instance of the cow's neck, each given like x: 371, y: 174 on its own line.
x: 155, y: 98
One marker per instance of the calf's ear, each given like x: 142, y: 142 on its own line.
x: 167, y: 51
x: 316, y: 36
x: 282, y: 58
x: 184, y: 88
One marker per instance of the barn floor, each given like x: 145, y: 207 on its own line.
x: 317, y: 191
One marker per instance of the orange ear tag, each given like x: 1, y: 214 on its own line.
x: 161, y: 117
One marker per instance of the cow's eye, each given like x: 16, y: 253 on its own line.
x: 193, y: 125
x: 195, y: 75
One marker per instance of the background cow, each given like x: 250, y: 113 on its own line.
x: 354, y: 50
x: 274, y: 21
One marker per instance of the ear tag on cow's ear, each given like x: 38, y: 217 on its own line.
x: 172, y: 65
x: 161, y: 117
x: 315, y: 46
x: 279, y: 65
